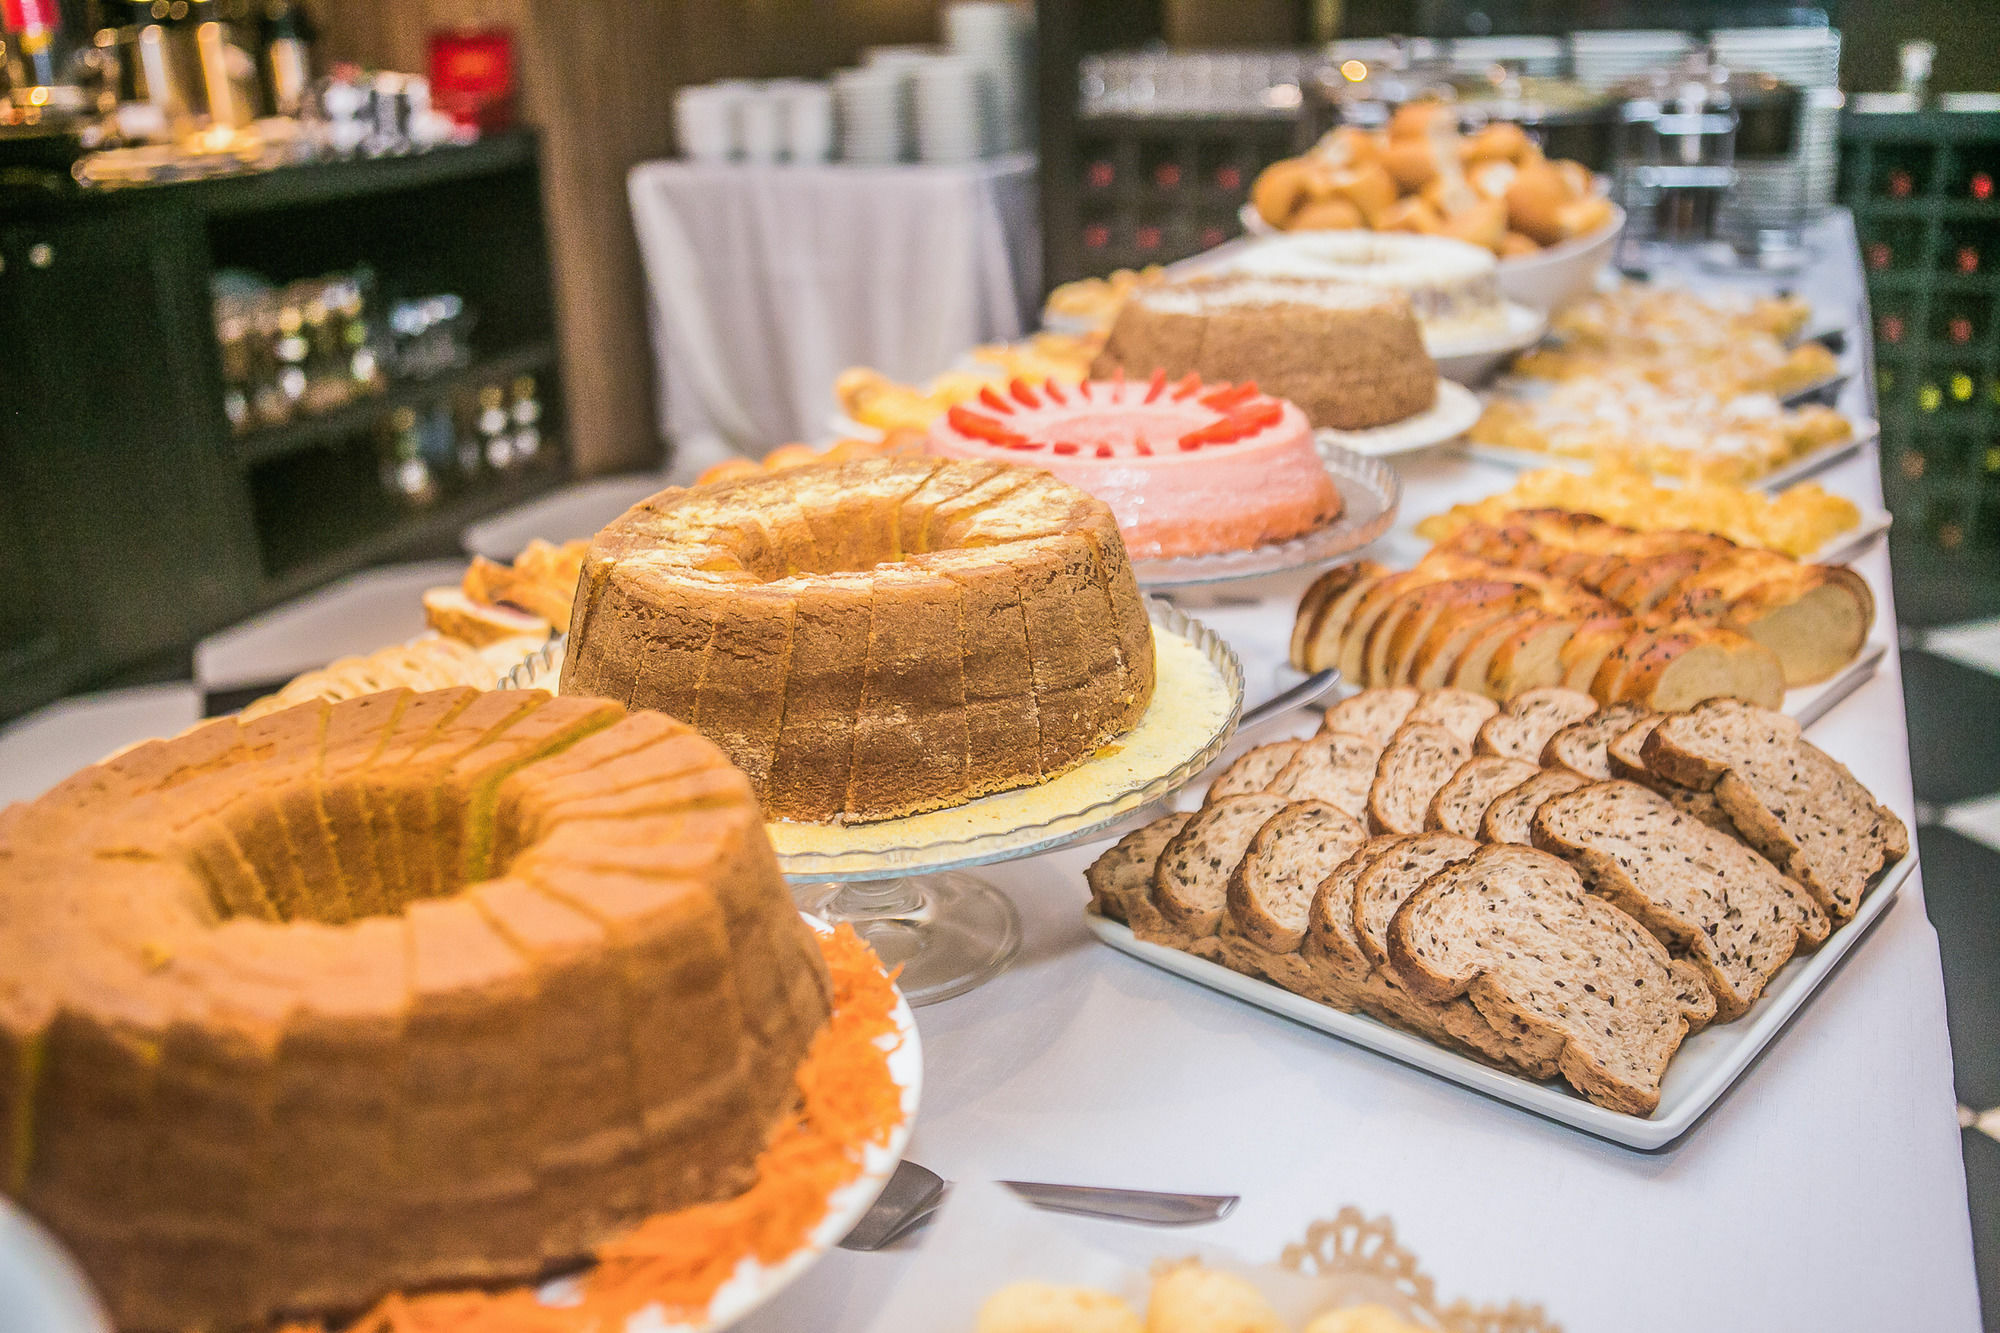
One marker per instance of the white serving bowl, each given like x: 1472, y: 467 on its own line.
x: 1547, y: 281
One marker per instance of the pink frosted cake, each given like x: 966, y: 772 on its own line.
x: 1188, y: 468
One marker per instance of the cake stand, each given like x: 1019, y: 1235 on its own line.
x: 1370, y: 491
x: 902, y: 883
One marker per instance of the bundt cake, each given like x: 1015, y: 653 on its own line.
x: 1352, y: 357
x: 1187, y: 468
x: 409, y: 989
x: 874, y: 638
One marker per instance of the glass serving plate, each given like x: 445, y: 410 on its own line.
x: 1372, y: 492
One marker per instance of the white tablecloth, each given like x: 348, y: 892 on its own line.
x: 767, y: 281
x: 1825, y: 1192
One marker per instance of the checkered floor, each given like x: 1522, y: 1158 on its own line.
x: 1951, y: 685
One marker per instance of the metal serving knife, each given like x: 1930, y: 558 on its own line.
x: 915, y: 1192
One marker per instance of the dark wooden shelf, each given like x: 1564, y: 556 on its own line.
x: 415, y: 532
x: 270, y: 442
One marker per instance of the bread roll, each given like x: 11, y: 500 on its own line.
x: 1280, y: 189
x: 1534, y: 202
x: 1327, y: 215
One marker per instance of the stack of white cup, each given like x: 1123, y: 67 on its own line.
x: 953, y: 109
x: 874, y: 113
x: 998, y: 38
x: 784, y: 120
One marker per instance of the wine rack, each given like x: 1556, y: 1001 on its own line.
x: 1924, y: 188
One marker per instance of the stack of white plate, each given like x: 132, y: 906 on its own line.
x: 1540, y: 57
x: 954, y: 114
x: 1600, y: 59
x: 874, y: 113
x: 1809, y: 59
x: 998, y: 38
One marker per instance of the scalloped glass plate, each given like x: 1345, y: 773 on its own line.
x: 1372, y: 491
x: 1012, y: 824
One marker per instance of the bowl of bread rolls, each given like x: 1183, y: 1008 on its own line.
x: 1545, y: 218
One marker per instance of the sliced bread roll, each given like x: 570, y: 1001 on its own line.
x: 1580, y: 746
x: 1680, y: 665
x: 1510, y: 816
x: 1271, y: 891
x: 1324, y: 611
x: 1814, y: 618
x: 1460, y: 805
x: 1191, y: 879
x: 1330, y: 935
x: 1373, y: 715
x: 1460, y: 712
x: 1121, y: 880
x: 1420, y: 758
x: 1470, y: 670
x: 1588, y: 647
x: 1252, y: 771
x: 1515, y: 931
x: 1702, y: 894
x: 1393, y: 643
x: 1332, y: 766
x: 1787, y: 797
x: 1530, y: 658
x: 1523, y: 727
x: 1436, y: 657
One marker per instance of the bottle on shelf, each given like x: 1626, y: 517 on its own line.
x: 405, y: 471
x: 525, y: 410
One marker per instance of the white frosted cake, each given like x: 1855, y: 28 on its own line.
x: 1453, y: 288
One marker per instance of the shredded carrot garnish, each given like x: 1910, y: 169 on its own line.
x: 679, y: 1260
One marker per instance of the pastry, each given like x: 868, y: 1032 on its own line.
x: 1187, y: 469
x: 1453, y: 287
x: 875, y: 638
x: 1351, y: 357
x: 413, y: 989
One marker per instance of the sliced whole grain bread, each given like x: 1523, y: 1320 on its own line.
x: 1580, y: 746
x: 1787, y: 797
x: 1191, y: 879
x: 1461, y: 803
x: 1372, y: 714
x: 1271, y: 891
x: 1627, y: 761
x: 1121, y: 880
x: 1725, y: 908
x: 1524, y: 725
x: 1420, y: 758
x: 1697, y: 1001
x: 1460, y: 712
x: 1330, y: 933
x: 1252, y: 771
x: 1332, y: 766
x: 1381, y: 888
x: 1514, y: 930
x: 1510, y: 816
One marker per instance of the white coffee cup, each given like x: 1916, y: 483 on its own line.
x: 762, y: 126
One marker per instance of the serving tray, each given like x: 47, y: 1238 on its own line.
x: 1704, y: 1068
x: 1865, y: 432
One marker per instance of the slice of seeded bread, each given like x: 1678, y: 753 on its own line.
x: 1460, y: 712
x: 1510, y: 816
x: 1271, y: 891
x: 1420, y: 758
x: 1702, y: 893
x: 1787, y: 797
x: 1627, y: 761
x: 1121, y: 880
x: 1330, y: 933
x: 1191, y: 880
x: 1514, y: 930
x: 1334, y: 767
x: 1252, y: 770
x: 1372, y: 714
x: 1461, y: 803
x: 1697, y: 1001
x: 1580, y: 746
x: 1381, y: 888
x: 1523, y: 727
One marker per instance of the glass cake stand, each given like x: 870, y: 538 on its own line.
x: 1371, y: 492
x: 902, y: 883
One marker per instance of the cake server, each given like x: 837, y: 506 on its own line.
x: 915, y: 1192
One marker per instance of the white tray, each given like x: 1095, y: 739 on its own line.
x: 1703, y: 1069
x: 1865, y: 432
x: 1809, y: 703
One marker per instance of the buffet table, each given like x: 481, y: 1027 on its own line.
x: 1824, y: 1191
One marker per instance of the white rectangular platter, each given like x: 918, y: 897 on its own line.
x: 1810, y: 703
x: 1702, y: 1070
x: 1799, y: 468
